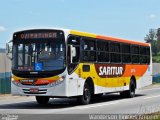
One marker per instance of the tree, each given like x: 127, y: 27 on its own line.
x: 158, y: 34
x: 155, y: 48
x: 152, y: 39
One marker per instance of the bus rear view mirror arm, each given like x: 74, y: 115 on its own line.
x: 9, y: 50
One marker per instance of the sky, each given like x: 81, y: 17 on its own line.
x: 128, y: 19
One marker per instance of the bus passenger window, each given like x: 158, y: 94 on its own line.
x: 102, y: 46
x: 114, y: 47
x: 135, y: 58
x: 88, y: 50
x: 126, y: 58
x: 115, y: 58
x: 103, y: 57
x: 125, y: 48
x: 143, y: 59
x: 143, y: 51
x: 135, y: 49
x: 88, y: 44
x: 148, y: 51
x: 89, y: 56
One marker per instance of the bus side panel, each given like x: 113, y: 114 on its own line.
x: 75, y: 85
x: 71, y: 85
x: 142, y: 74
x: 147, y: 77
x: 100, y: 89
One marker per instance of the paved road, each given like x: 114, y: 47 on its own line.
x: 146, y: 101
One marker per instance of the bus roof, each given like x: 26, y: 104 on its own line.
x: 107, y: 38
x: 75, y: 32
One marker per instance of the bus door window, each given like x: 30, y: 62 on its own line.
x: 73, y: 42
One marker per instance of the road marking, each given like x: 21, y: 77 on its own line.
x: 112, y: 103
x: 100, y: 105
x: 152, y: 97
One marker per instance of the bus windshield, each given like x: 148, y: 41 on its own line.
x: 46, y: 55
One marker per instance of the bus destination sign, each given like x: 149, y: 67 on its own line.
x: 37, y: 35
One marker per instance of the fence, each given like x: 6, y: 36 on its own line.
x: 156, y: 72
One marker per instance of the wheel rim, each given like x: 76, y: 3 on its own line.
x: 132, y: 90
x: 87, y: 94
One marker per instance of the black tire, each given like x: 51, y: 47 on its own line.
x: 42, y: 100
x: 86, y: 97
x: 132, y: 87
x: 131, y: 92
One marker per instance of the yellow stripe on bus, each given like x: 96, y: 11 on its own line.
x: 74, y: 32
x: 103, y: 82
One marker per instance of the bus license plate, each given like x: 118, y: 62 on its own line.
x: 34, y: 90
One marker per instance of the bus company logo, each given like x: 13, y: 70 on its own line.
x: 37, y: 35
x: 109, y: 71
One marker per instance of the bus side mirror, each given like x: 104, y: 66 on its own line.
x: 9, y: 50
x: 73, y: 53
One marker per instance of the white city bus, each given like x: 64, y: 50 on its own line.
x: 50, y: 63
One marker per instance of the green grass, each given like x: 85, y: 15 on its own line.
x: 157, y: 113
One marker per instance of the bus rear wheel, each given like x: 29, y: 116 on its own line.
x: 86, y: 97
x: 131, y: 92
x: 42, y: 100
x: 132, y: 88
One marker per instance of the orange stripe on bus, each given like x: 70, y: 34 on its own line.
x: 121, y: 40
x: 136, y: 70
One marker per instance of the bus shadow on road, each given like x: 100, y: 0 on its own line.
x: 63, y: 102
x: 112, y: 97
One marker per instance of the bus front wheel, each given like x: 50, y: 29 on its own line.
x: 86, y: 97
x: 42, y: 100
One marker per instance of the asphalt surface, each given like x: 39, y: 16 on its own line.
x: 146, y: 101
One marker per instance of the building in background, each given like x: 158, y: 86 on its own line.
x: 5, y: 73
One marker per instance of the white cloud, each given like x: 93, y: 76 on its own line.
x: 2, y: 28
x: 152, y: 16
